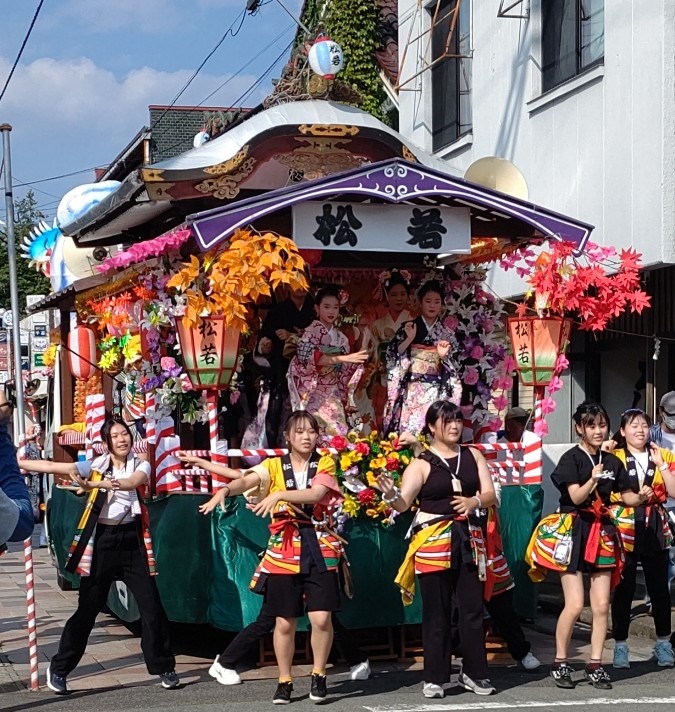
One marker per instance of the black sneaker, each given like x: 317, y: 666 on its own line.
x: 169, y: 680
x: 283, y: 694
x: 317, y: 691
x: 599, y: 678
x: 562, y: 675
x: 56, y: 683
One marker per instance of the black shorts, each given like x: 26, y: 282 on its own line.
x: 289, y: 596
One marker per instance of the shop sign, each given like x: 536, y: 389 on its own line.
x: 3, y: 363
x: 37, y: 361
x: 422, y: 229
x: 39, y: 330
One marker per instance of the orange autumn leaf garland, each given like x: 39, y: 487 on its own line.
x: 226, y: 281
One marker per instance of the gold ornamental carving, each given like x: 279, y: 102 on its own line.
x: 408, y: 154
x: 159, y: 191
x: 328, y: 130
x: 152, y: 175
x: 229, y: 165
x: 320, y: 157
x: 226, y: 187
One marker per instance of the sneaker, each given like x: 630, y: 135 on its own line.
x: 56, y: 683
x: 169, y: 680
x: 283, y: 694
x: 431, y: 691
x: 562, y: 675
x: 480, y: 687
x: 225, y: 676
x: 317, y: 690
x: 530, y: 662
x: 621, y: 657
x: 598, y: 678
x: 663, y: 652
x: 360, y: 671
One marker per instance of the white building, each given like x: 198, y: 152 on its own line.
x: 580, y: 96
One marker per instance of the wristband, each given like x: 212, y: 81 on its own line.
x: 664, y: 467
x: 480, y: 504
x: 114, y: 485
x: 391, y: 500
x: 228, y: 491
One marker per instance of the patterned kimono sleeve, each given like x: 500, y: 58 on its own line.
x: 349, y: 374
x: 302, y: 371
x: 451, y: 385
x: 398, y: 365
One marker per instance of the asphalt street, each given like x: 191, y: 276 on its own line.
x: 641, y: 687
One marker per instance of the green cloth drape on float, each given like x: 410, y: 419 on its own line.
x: 519, y: 514
x: 205, y: 564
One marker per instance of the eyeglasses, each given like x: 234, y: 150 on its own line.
x: 666, y: 413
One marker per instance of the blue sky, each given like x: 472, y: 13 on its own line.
x: 92, y: 67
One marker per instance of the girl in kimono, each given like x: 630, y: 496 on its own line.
x: 645, y: 534
x: 323, y: 374
x: 419, y: 366
x: 447, y: 551
x: 395, y: 288
x: 298, y: 573
x: 581, y: 539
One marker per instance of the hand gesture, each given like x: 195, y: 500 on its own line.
x: 185, y: 456
x: 356, y: 357
x: 464, y: 505
x: 407, y: 439
x: 608, y: 446
x: 597, y: 473
x: 655, y: 452
x: 283, y: 334
x: 410, y: 330
x: 218, y: 498
x: 265, y: 345
x: 84, y: 485
x: 646, y: 493
x: 266, y: 506
x: 442, y: 348
x: 385, y: 484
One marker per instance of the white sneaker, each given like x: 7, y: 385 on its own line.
x: 530, y: 662
x: 360, y: 671
x: 225, y: 676
x: 430, y: 690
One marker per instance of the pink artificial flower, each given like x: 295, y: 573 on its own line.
x: 500, y: 402
x: 503, y: 383
x: 547, y: 405
x: 167, y: 363
x: 541, y: 428
x: 509, y: 364
x: 555, y: 385
x: 561, y: 363
x: 185, y: 383
x: 477, y: 352
x: 451, y: 322
x: 471, y: 375
x: 495, y: 424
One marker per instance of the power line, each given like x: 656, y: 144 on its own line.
x: 23, y: 46
x: 200, y: 67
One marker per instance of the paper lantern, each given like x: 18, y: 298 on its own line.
x: 325, y: 57
x: 537, y: 343
x: 82, y: 352
x: 209, y: 352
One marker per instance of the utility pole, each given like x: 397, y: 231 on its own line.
x: 5, y: 130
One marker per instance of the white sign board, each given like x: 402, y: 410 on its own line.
x: 422, y: 229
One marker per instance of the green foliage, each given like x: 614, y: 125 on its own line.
x: 353, y: 24
x: 30, y: 281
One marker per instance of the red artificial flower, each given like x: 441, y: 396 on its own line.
x: 339, y: 442
x: 362, y: 448
x: 366, y: 496
x: 392, y: 464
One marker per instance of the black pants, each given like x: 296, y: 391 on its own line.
x: 243, y: 643
x: 117, y: 557
x: 655, y: 566
x: 438, y: 590
x: 500, y: 608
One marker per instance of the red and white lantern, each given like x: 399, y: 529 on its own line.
x: 82, y: 352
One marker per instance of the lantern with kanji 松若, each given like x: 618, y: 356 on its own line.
x: 82, y: 352
x: 325, y: 57
x: 209, y: 352
x: 537, y: 343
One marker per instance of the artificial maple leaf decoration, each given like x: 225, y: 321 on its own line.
x: 587, y: 286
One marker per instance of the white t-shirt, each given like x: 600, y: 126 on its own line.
x: 642, y: 465
x: 117, y: 507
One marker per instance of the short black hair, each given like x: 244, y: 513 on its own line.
x: 107, y: 427
x: 443, y: 409
x: 588, y: 412
x: 297, y: 416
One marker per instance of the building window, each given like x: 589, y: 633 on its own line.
x: 450, y: 71
x: 572, y: 38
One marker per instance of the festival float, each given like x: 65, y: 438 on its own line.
x: 297, y: 196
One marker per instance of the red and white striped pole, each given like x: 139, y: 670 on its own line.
x: 30, y: 610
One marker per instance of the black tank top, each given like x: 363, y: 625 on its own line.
x: 436, y: 493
